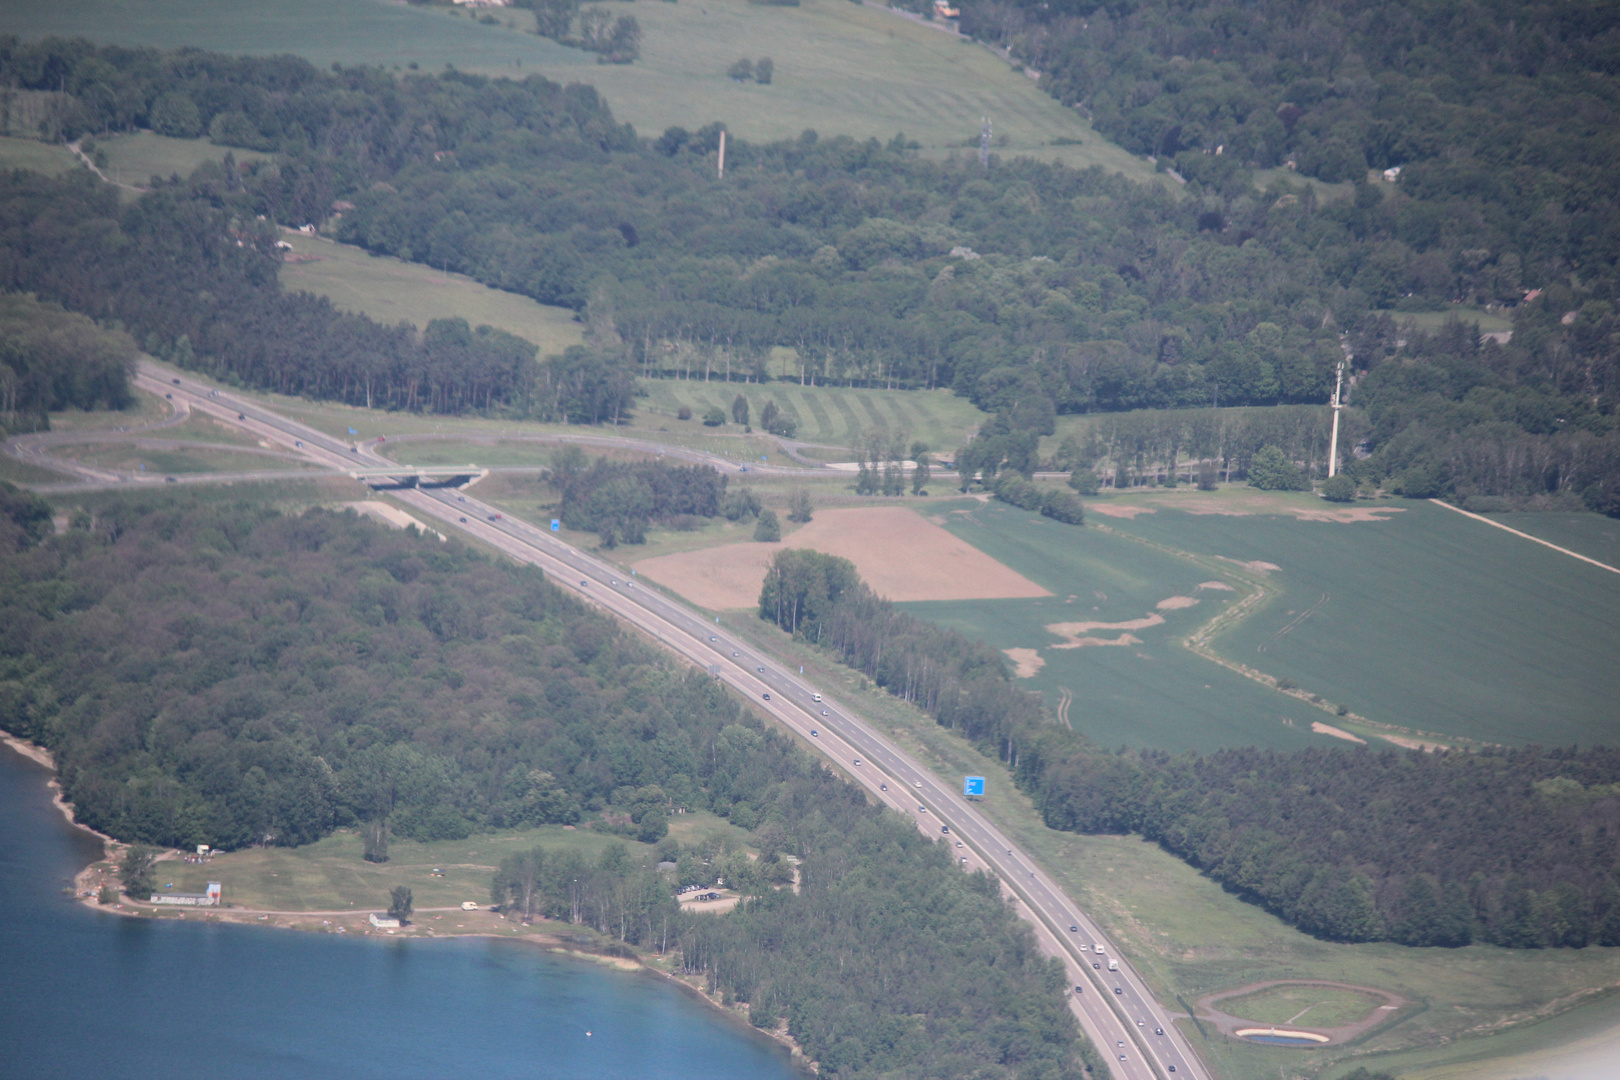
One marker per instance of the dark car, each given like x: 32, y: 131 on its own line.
x: 170, y: 480
x: 814, y: 733
x: 169, y: 396
x: 241, y: 416
x: 1117, y: 990
x: 1079, y: 989
x: 944, y: 828
x: 1074, y: 929
x: 1158, y: 1031
x: 767, y: 697
x: 175, y: 381
x: 464, y: 521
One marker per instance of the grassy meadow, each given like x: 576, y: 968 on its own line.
x: 136, y: 157
x: 331, y: 875
x: 1189, y: 937
x: 830, y: 415
x: 1593, y: 535
x: 1308, y: 1006
x: 393, y: 291
x: 36, y: 156
x: 841, y: 68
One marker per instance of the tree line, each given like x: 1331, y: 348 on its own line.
x: 52, y: 359
x: 619, y: 499
x: 1513, y: 847
x: 963, y: 683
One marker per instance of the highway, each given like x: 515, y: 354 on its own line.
x: 1115, y: 1008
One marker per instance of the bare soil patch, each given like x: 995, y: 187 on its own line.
x: 1349, y: 513
x: 1127, y: 512
x: 1176, y: 603
x: 1026, y: 662
x: 1077, y: 635
x: 1217, y: 586
x: 1338, y: 733
x: 901, y: 554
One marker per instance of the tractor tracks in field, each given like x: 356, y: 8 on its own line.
x: 1065, y: 699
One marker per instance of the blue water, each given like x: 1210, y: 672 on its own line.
x: 85, y: 994
x: 1281, y: 1040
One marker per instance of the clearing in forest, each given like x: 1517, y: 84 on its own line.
x: 899, y: 553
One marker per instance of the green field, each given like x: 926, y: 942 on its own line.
x: 1307, y: 1006
x: 1189, y: 937
x: 841, y: 68
x: 1428, y: 620
x: 392, y: 291
x: 140, y: 155
x: 830, y: 415
x: 1152, y: 694
x: 36, y: 156
x: 1593, y: 535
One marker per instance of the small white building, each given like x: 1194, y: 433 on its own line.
x: 205, y: 899
x: 384, y: 922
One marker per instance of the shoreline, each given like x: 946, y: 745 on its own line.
x: 87, y: 885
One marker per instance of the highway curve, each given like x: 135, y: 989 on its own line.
x: 1114, y: 1008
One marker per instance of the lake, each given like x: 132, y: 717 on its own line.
x: 85, y: 993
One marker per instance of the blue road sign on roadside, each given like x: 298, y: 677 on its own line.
x: 556, y: 525
x: 973, y: 785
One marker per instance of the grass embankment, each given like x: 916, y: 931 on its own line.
x: 1190, y: 938
x: 392, y: 291
x: 841, y: 68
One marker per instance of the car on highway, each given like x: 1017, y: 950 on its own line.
x: 1079, y: 989
x: 815, y: 697
x: 464, y: 521
x: 918, y: 783
x: 1122, y: 1057
x: 922, y: 809
x: 175, y: 381
x: 767, y: 696
x: 734, y: 653
x: 1074, y: 929
x: 494, y: 517
x: 760, y: 670
x: 614, y: 580
x: 857, y: 761
x: 814, y: 734
x: 170, y: 480
x: 169, y: 396
x: 1172, y: 1068
x: 1120, y: 1042
x: 1097, y: 966
x: 1158, y: 1031
x: 883, y: 787
x: 298, y: 443
x: 823, y: 712
x: 944, y: 828
x: 713, y: 638
x: 1117, y: 990
x: 959, y: 843
x: 584, y: 584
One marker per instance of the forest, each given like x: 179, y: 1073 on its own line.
x: 877, y: 267
x: 52, y: 359
x: 1516, y: 847
x: 224, y: 674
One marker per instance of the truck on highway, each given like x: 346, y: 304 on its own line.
x: 1100, y: 949
x: 1113, y: 965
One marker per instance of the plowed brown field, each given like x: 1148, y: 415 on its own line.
x: 900, y: 554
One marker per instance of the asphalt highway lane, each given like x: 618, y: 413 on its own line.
x: 1115, y: 1008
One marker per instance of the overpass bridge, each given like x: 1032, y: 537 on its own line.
x: 420, y: 476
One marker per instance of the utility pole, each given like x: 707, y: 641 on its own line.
x: 1333, y: 447
x: 984, y: 144
x: 722, y: 175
